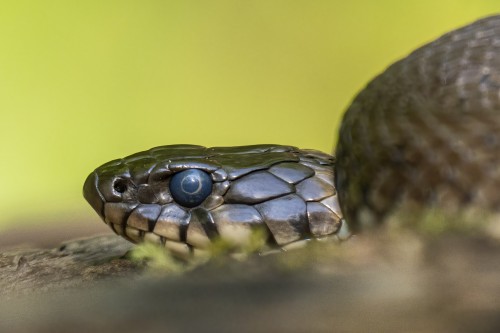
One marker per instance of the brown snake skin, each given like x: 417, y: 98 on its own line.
x: 426, y: 132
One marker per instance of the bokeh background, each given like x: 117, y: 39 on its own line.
x: 84, y: 82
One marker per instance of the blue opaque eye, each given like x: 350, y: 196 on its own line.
x: 190, y: 187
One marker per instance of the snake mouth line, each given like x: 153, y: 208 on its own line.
x: 193, y: 235
x: 140, y: 229
x: 183, y: 250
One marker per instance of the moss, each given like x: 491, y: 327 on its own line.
x: 157, y: 259
x: 160, y: 260
x: 434, y: 222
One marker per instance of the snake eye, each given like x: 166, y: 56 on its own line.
x: 190, y: 187
x: 120, y: 185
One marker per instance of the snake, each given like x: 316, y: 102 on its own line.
x: 423, y: 133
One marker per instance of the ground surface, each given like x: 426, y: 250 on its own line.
x: 382, y: 283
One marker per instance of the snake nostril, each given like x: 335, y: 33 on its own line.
x: 120, y: 185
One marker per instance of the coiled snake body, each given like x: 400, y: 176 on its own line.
x: 425, y: 133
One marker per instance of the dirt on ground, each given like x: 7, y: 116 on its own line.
x: 378, y: 283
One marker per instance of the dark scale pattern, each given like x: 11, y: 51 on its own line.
x: 283, y: 190
x: 425, y: 133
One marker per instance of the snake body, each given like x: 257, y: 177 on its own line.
x: 424, y: 133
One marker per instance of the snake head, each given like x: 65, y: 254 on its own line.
x: 184, y: 196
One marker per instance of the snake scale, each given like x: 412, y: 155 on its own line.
x: 424, y: 133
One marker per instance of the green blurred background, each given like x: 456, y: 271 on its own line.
x: 83, y: 82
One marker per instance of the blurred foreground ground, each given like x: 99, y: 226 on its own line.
x: 381, y: 283
x: 49, y: 234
